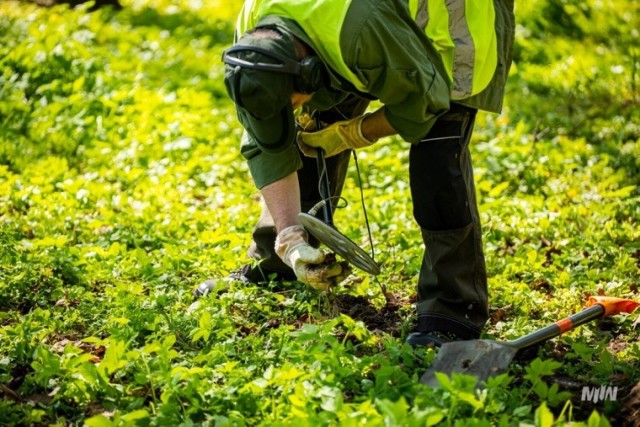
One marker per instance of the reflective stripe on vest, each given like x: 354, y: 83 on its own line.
x: 463, y: 32
x: 320, y: 20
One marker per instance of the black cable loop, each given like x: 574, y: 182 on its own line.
x: 364, y: 207
x: 322, y: 203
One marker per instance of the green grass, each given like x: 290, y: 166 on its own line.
x: 122, y: 188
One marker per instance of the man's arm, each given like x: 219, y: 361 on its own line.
x: 398, y: 65
x: 376, y: 126
x: 282, y: 198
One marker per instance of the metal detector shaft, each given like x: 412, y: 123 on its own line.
x: 324, y: 188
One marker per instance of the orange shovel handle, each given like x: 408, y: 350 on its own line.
x: 596, y: 307
x: 613, y: 305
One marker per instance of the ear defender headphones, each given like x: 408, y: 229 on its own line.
x: 310, y: 73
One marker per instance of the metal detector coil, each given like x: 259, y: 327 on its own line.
x: 326, y: 232
x: 339, y: 243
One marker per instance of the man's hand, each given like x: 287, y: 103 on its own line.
x: 307, y: 262
x: 335, y: 138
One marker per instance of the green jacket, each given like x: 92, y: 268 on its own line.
x: 396, y: 63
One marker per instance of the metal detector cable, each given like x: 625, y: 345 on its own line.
x: 314, y: 210
x: 383, y: 287
x: 322, y: 203
x: 364, y: 207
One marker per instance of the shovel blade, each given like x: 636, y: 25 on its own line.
x: 479, y: 358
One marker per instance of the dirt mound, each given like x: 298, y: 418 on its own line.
x: 386, y: 319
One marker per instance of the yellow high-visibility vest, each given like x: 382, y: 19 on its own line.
x: 462, y: 32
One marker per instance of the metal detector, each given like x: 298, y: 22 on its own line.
x: 326, y: 232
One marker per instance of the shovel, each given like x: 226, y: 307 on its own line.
x: 485, y: 358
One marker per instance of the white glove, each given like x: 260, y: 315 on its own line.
x: 307, y: 262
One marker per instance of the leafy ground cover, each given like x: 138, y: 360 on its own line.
x: 122, y: 188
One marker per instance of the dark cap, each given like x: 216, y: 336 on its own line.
x: 259, y: 77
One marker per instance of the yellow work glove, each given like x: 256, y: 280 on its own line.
x: 307, y: 262
x: 335, y: 138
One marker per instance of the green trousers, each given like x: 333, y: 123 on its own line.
x: 452, y: 285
